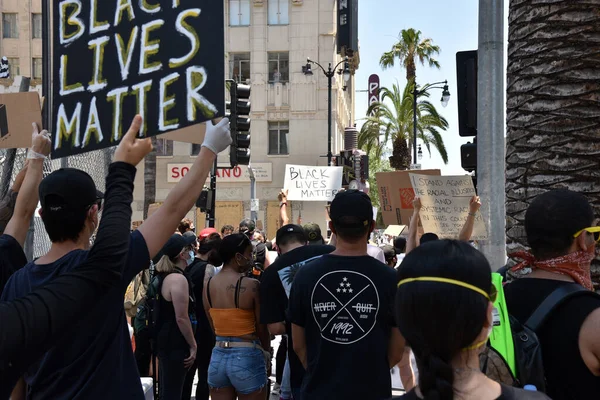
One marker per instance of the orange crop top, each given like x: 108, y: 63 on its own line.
x: 233, y: 322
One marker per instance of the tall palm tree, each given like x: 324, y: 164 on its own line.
x: 552, y: 105
x: 410, y: 48
x: 394, y: 121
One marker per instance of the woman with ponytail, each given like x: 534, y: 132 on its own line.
x: 444, y: 311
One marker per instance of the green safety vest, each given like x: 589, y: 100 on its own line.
x: 501, y: 338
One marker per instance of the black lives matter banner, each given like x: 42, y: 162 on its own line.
x: 163, y: 59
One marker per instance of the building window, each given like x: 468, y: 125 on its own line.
x: 164, y: 147
x: 37, y: 68
x: 36, y: 26
x: 279, y: 67
x: 13, y: 67
x: 239, y: 67
x: 10, y: 30
x: 239, y: 12
x: 278, y: 138
x: 279, y: 12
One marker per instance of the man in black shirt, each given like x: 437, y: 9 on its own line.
x: 275, y: 289
x: 32, y: 324
x: 95, y: 358
x: 559, y: 227
x: 341, y: 309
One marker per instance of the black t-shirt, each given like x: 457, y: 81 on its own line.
x: 275, y: 288
x: 94, y: 359
x: 345, y: 305
x: 508, y: 393
x: 567, y: 376
x: 32, y: 324
x: 12, y: 258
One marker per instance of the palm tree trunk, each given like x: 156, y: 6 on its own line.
x: 400, y: 159
x: 150, y: 178
x: 552, y: 105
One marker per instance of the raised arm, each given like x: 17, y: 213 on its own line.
x: 160, y: 226
x: 283, y: 216
x: 28, y: 197
x: 467, y: 229
x: 7, y: 204
x: 413, y: 231
x: 32, y: 324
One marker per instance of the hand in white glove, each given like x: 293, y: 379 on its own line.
x: 40, y: 144
x: 217, y: 137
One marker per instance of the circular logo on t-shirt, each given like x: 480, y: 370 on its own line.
x: 345, y: 306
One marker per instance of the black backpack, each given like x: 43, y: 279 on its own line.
x: 527, y: 347
x: 147, y: 311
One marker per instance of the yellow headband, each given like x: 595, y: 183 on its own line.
x: 445, y: 280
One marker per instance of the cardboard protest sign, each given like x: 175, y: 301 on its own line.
x: 312, y: 183
x: 161, y: 59
x: 445, y: 205
x: 17, y: 112
x: 396, y: 195
x: 394, y: 230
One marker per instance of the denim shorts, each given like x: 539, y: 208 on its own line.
x: 242, y: 368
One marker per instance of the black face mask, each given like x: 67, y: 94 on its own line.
x: 214, y: 258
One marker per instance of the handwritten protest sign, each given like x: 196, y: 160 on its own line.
x: 396, y: 195
x: 114, y: 59
x: 312, y: 183
x: 445, y: 205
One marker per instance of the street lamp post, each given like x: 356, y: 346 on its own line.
x: 329, y: 73
x: 416, y: 93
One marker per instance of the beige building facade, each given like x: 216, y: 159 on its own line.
x: 21, y: 39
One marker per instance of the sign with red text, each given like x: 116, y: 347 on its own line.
x: 263, y: 172
x: 115, y: 59
x: 445, y: 205
x: 308, y: 183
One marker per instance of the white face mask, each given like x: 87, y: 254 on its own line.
x: 191, y: 259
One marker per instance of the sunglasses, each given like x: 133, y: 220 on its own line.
x: 595, y: 230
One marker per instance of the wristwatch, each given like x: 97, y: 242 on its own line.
x: 281, y: 203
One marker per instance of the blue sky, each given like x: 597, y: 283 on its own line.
x: 451, y: 24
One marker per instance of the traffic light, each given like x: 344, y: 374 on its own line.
x: 466, y: 92
x: 468, y: 156
x: 204, y: 202
x: 239, y: 118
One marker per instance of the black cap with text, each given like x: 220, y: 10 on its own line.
x: 68, y: 189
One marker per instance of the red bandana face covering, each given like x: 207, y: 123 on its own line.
x: 576, y: 265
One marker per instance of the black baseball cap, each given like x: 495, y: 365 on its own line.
x: 313, y: 233
x: 288, y: 229
x: 68, y: 189
x: 174, y: 246
x: 352, y: 203
x: 400, y: 245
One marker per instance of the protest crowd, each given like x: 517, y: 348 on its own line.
x: 205, y: 306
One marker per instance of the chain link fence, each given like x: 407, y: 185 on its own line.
x: 95, y: 163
